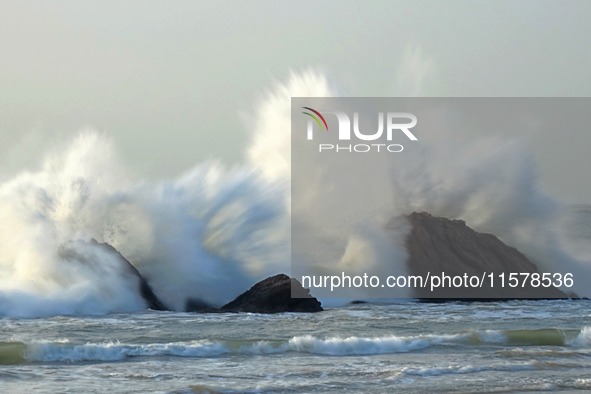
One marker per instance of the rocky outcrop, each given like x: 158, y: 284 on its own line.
x: 145, y: 289
x: 271, y: 295
x: 74, y: 251
x: 437, y: 245
x: 278, y: 293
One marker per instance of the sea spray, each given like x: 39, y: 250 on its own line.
x: 43, y: 211
x: 207, y: 235
x: 214, y: 231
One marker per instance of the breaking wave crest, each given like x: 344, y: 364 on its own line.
x: 16, y: 352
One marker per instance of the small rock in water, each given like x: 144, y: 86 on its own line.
x: 278, y: 293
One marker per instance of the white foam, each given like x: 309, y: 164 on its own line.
x: 114, y: 351
x: 492, y: 336
x: 336, y: 346
x: 213, y: 232
x: 583, y: 339
x: 64, y: 351
x: 210, y: 234
x: 467, y: 369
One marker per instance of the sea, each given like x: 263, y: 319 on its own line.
x: 403, y: 346
x: 407, y: 347
x: 72, y: 320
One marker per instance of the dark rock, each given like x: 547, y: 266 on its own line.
x: 145, y: 289
x: 72, y: 251
x: 437, y: 245
x: 273, y: 295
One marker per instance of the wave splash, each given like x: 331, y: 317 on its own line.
x: 212, y: 232
x: 208, y: 234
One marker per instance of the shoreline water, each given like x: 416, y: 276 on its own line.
x: 405, y: 347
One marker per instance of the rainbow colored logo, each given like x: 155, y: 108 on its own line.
x: 317, y: 116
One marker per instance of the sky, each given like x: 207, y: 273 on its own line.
x: 174, y: 82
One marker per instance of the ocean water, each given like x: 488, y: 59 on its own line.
x: 404, y: 347
x: 81, y: 326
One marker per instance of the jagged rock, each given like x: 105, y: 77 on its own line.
x: 145, y: 289
x: 437, y: 245
x: 69, y: 251
x: 273, y: 295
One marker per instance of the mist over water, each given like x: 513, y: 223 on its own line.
x: 209, y: 234
x: 214, y: 231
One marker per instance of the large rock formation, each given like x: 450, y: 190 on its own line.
x: 437, y: 245
x: 279, y: 293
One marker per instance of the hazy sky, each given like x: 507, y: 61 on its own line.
x: 169, y: 80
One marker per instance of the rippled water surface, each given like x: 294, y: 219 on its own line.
x: 406, y: 347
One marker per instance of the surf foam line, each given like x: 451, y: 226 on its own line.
x: 15, y: 352
x: 115, y: 351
